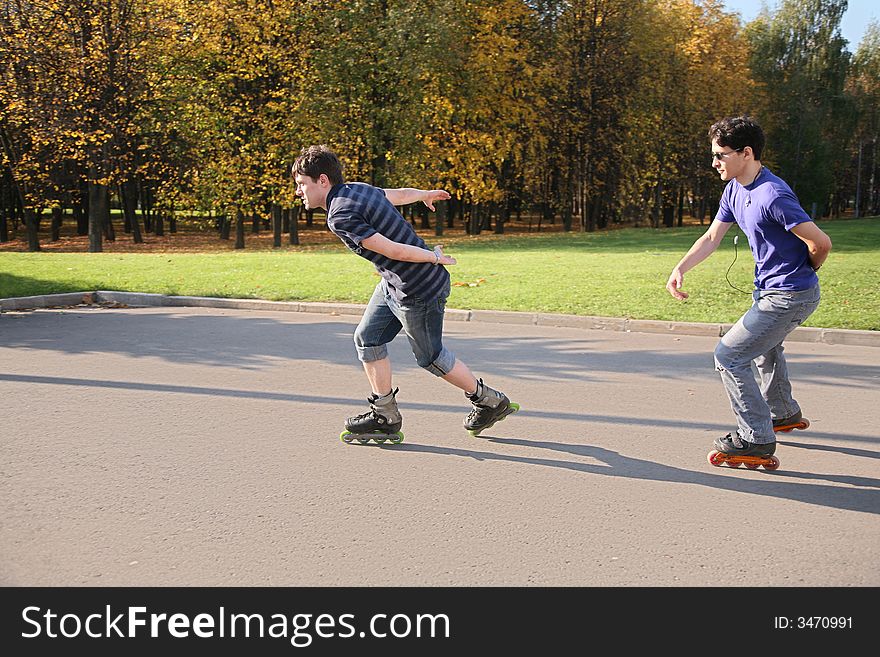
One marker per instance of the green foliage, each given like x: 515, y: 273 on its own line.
x: 801, y: 60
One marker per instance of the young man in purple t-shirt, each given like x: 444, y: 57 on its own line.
x: 411, y: 295
x: 788, y: 249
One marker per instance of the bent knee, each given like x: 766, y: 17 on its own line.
x: 359, y: 338
x: 729, y: 359
x: 439, y: 365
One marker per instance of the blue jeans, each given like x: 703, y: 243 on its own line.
x: 421, y: 320
x: 757, y: 338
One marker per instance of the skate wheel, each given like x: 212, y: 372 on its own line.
x: 805, y: 424
x: 363, y: 441
x: 715, y: 458
x: 346, y: 437
x: 514, y: 406
x: 380, y: 440
x: 396, y: 438
x: 733, y: 464
x: 753, y: 466
x: 774, y: 463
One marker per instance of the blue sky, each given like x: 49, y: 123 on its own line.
x: 852, y: 27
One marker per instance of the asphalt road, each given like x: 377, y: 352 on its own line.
x: 199, y: 446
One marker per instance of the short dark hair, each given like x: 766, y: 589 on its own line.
x: 315, y: 160
x: 739, y: 132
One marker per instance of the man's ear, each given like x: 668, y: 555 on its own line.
x: 324, y: 179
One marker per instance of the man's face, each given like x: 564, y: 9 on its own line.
x: 730, y: 163
x: 312, y: 192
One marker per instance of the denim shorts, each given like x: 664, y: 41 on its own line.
x: 421, y: 321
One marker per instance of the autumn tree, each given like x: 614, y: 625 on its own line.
x: 686, y: 83
x: 864, y: 87
x: 74, y: 81
x: 485, y: 110
x: 32, y: 101
x: 235, y: 94
x: 800, y: 61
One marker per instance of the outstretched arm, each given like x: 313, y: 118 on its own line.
x: 406, y: 252
x: 702, y: 249
x: 407, y: 195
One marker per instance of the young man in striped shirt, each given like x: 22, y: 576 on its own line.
x: 411, y: 295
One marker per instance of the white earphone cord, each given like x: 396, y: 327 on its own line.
x: 726, y: 274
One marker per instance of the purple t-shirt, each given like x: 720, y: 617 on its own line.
x: 766, y: 211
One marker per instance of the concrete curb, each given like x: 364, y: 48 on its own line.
x: 135, y: 299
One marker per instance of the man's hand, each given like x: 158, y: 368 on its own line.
x: 442, y: 259
x: 676, y: 279
x: 435, y: 195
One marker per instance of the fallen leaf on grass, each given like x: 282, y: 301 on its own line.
x: 476, y: 283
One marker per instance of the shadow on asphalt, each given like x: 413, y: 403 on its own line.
x: 589, y: 418
x: 255, y: 341
x: 614, y: 464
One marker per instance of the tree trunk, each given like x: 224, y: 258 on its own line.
x: 239, y: 229
x: 32, y: 225
x: 5, y: 200
x: 128, y: 191
x: 97, y: 209
x: 126, y: 220
x: 858, y: 183
x: 146, y: 207
x: 109, y: 233
x: 680, y: 206
x: 476, y: 219
x: 499, y: 223
x: 439, y: 219
x: 276, y: 225
x: 81, y: 209
x: 668, y: 215
x: 295, y: 212
x: 57, y: 215
x: 566, y: 217
x: 225, y: 226
x: 17, y: 214
x: 501, y: 216
x: 873, y: 199
x: 596, y: 211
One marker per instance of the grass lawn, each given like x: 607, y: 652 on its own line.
x: 618, y: 273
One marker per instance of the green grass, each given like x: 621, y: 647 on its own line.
x: 620, y: 273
